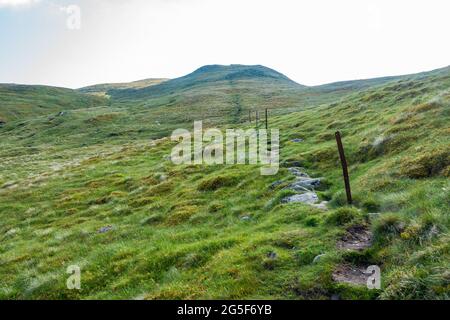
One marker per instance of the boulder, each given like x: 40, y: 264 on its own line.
x: 304, y: 183
x: 307, y: 197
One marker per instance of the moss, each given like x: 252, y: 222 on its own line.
x: 153, y: 219
x: 217, y: 182
x: 387, y: 226
x: 215, y: 207
x: 181, y: 215
x: 313, y: 221
x: 425, y: 165
x: 343, y: 216
x: 370, y: 204
x: 141, y: 202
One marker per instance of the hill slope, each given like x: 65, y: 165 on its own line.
x: 22, y: 101
x: 141, y: 227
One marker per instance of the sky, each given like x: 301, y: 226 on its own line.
x: 311, y: 41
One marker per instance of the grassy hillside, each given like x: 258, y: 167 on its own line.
x: 107, y: 198
x: 102, y: 89
x: 21, y: 101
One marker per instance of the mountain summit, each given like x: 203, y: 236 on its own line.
x: 211, y: 76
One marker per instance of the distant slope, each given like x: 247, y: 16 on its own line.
x: 102, y: 89
x: 22, y: 101
x: 352, y: 85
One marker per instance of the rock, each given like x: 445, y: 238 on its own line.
x: 9, y: 185
x: 61, y: 114
x: 321, y: 206
x: 317, y: 258
x: 245, y: 218
x: 105, y: 229
x: 298, y: 172
x: 275, y: 184
x: 11, y: 232
x: 335, y: 297
x: 272, y: 255
x: 433, y: 232
x: 301, y: 184
x: 297, y: 140
x: 308, y: 198
x: 290, y: 164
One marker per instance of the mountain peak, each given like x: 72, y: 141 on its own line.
x: 216, y: 72
x: 211, y: 75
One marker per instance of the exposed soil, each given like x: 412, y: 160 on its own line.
x: 351, y: 274
x: 356, y: 238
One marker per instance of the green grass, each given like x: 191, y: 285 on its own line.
x: 178, y: 231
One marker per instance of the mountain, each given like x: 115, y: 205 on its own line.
x: 209, y: 76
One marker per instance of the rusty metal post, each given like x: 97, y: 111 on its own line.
x: 344, y: 167
x: 267, y: 123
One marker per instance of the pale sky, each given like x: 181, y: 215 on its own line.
x: 312, y: 42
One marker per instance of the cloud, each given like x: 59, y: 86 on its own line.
x: 16, y: 3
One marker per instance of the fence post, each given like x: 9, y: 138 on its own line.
x: 267, y: 123
x: 250, y: 116
x: 257, y: 118
x: 344, y: 167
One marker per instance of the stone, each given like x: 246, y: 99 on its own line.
x: 9, y: 185
x: 245, y: 218
x: 11, y: 232
x: 297, y: 140
x: 105, y: 229
x: 290, y: 164
x: 272, y: 255
x: 297, y: 171
x: 275, y: 184
x: 317, y: 258
x: 302, y: 183
x: 307, y: 197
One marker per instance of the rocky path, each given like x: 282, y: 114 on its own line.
x: 304, y: 187
x: 356, y: 238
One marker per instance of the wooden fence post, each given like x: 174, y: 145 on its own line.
x: 344, y: 167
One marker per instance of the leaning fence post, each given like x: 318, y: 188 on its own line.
x: 344, y: 167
